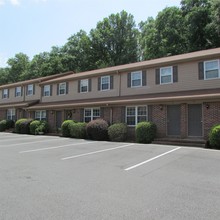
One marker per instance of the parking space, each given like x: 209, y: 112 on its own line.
x: 46, y: 177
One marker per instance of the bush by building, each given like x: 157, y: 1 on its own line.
x: 10, y: 124
x: 25, y: 126
x: 78, y: 130
x: 118, y: 132
x: 65, y: 128
x: 18, y: 124
x: 97, y: 130
x: 214, y: 137
x: 145, y: 132
x: 3, y: 125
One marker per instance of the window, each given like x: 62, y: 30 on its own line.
x: 46, y: 90
x: 91, y: 114
x: 30, y: 89
x: 11, y: 114
x: 18, y: 91
x: 136, y: 79
x: 105, y: 83
x: 166, y: 75
x: 84, y: 84
x: 211, y: 69
x: 136, y: 114
x: 5, y: 94
x: 62, y: 89
x: 40, y: 115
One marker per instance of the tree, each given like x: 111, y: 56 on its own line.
x: 114, y: 40
x: 18, y: 67
x: 197, y: 17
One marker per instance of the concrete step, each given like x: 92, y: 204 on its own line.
x: 181, y: 142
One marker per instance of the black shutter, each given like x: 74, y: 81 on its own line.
x: 129, y: 80
x: 157, y: 76
x: 67, y: 87
x: 2, y: 93
x: 15, y: 91
x: 81, y: 115
x: 79, y: 86
x: 144, y: 78
x: 111, y: 82
x: 90, y: 85
x: 201, y: 70
x: 33, y: 89
x: 22, y: 90
x: 8, y: 93
x: 42, y: 91
x: 149, y: 112
x: 26, y: 89
x: 175, y: 74
x: 123, y: 114
x: 51, y: 90
x: 57, y: 89
x: 99, y: 83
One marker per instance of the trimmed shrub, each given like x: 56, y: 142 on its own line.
x: 18, y: 124
x: 118, y: 132
x: 145, y: 132
x: 34, y: 125
x: 10, y: 124
x: 65, y: 128
x: 97, y: 130
x: 25, y: 126
x: 214, y: 137
x: 78, y: 130
x: 3, y: 125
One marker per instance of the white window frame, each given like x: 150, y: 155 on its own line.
x: 133, y: 78
x: 218, y: 68
x: 42, y: 115
x: 62, y: 84
x: 5, y: 93
x: 102, y: 79
x: 84, y: 83
x: 170, y: 74
x: 46, y: 90
x: 91, y: 116
x: 136, y: 114
x: 11, y: 114
x: 30, y: 89
x: 18, y: 93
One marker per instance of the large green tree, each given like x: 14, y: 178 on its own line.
x: 114, y: 40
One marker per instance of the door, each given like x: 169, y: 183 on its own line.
x: 58, y: 119
x: 195, y: 120
x: 173, y: 120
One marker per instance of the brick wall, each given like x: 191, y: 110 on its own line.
x: 2, y: 114
x: 158, y: 116
x: 211, y: 114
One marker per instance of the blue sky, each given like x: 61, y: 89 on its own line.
x: 34, y: 26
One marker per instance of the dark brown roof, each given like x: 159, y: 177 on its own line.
x: 19, y: 104
x: 199, y: 55
x: 37, y: 80
x: 159, y: 98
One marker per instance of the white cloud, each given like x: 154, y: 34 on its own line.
x: 15, y: 2
x: 2, y: 2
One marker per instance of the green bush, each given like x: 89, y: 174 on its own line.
x: 18, y: 124
x: 118, y: 132
x: 34, y: 125
x: 65, y: 128
x: 3, y: 125
x: 78, y: 130
x: 214, y: 137
x: 25, y: 126
x: 10, y: 124
x: 97, y: 130
x: 145, y: 132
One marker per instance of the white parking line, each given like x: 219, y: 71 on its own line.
x: 11, y: 145
x: 51, y: 148
x: 17, y: 138
x: 149, y: 160
x: 96, y: 152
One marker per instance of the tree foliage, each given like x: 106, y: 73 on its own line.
x: 116, y: 40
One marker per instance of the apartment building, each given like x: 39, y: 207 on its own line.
x: 180, y: 94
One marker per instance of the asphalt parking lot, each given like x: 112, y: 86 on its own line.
x: 53, y: 178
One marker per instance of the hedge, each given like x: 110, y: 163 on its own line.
x: 3, y: 125
x: 145, y: 132
x: 118, y: 132
x: 78, y: 130
x: 65, y: 128
x: 18, y: 124
x: 97, y: 130
x: 214, y: 137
